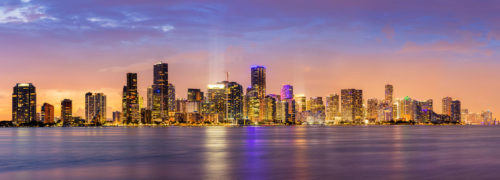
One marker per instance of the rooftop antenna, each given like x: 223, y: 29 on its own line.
x: 227, y: 76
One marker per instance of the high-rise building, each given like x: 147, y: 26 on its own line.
x: 252, y: 105
x: 150, y: 98
x: 117, y: 117
x: 316, y: 111
x: 95, y: 108
x: 258, y: 74
x: 47, y: 113
x: 447, y: 105
x: 160, y: 92
x: 426, y: 110
x: 332, y: 106
x: 171, y: 98
x: 290, y: 106
x: 234, y: 102
x: 131, y: 111
x: 146, y: 116
x: 301, y: 102
x: 272, y: 105
x: 287, y: 92
x: 389, y: 90
x: 67, y: 111
x: 24, y: 103
x: 372, y: 110
x: 352, y: 105
x: 195, y: 95
x: 217, y: 97
x: 455, y: 111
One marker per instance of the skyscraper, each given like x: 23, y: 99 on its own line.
x: 150, y: 98
x: 447, y: 106
x: 258, y: 78
x: 455, y: 111
x: 47, y: 113
x: 171, y: 98
x: 332, y: 106
x: 217, y: 99
x: 67, y: 111
x: 160, y: 92
x: 389, y: 90
x: 372, y: 110
x: 131, y: 113
x: 234, y: 102
x: 352, y: 105
x: 287, y: 92
x: 24, y: 103
x: 95, y: 108
x: 195, y: 95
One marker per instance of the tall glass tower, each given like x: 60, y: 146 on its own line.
x: 160, y: 92
x: 258, y: 74
x: 24, y: 103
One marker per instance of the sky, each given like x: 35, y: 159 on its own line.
x: 428, y: 49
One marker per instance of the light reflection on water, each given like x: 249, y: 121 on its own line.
x: 359, y: 152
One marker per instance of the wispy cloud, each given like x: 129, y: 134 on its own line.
x: 23, y: 13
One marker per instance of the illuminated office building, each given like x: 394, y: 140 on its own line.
x: 24, y: 103
x: 195, y: 95
x: 117, y: 117
x: 270, y: 108
x: 217, y: 97
x: 181, y: 106
x: 146, y: 117
x: 171, y: 98
x: 258, y: 79
x: 301, y: 103
x: 95, y: 108
x: 287, y: 92
x: 316, y: 108
x: 289, y: 106
x: 426, y: 111
x: 408, y: 109
x: 447, y: 105
x: 67, y: 111
x: 149, y: 100
x: 160, y: 92
x: 131, y: 111
x: 372, y: 110
x: 252, y: 106
x: 389, y: 91
x: 455, y: 111
x: 332, y: 107
x: 487, y: 118
x: 47, y: 113
x: 234, y: 102
x: 193, y: 106
x: 352, y: 105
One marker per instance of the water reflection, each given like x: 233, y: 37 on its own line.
x: 299, y: 148
x: 215, y: 153
x: 398, y: 157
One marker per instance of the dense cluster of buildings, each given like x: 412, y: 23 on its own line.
x: 228, y: 102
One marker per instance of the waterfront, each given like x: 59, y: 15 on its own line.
x: 345, y: 152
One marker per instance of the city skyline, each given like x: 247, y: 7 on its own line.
x: 319, y: 47
x: 388, y: 95
x: 227, y: 102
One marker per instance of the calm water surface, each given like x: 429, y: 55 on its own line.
x: 391, y: 152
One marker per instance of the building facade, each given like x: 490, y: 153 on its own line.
x: 352, y: 105
x: 24, y: 103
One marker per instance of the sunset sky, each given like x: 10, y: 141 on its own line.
x: 426, y: 49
